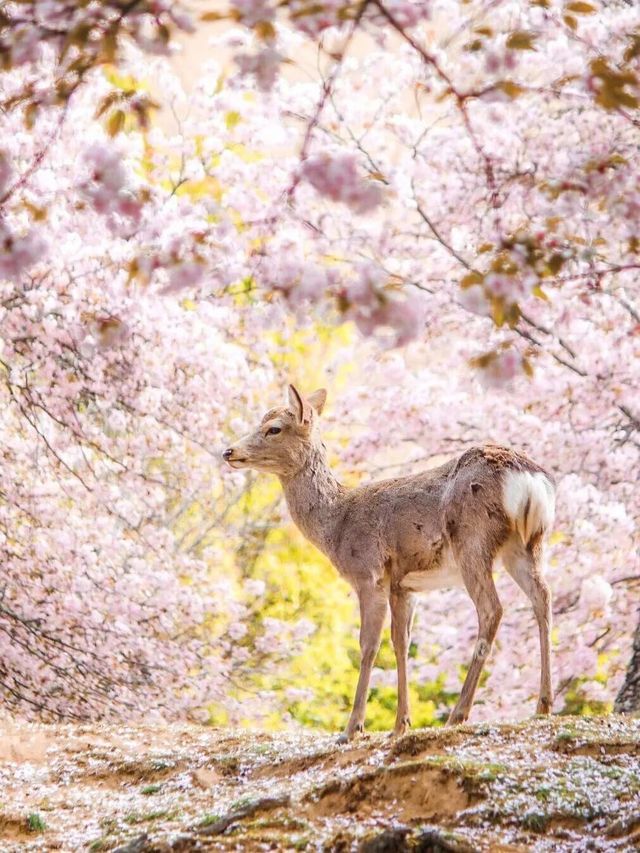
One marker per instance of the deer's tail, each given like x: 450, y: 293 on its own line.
x: 529, y: 502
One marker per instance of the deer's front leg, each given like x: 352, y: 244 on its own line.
x: 373, y: 609
x: 402, y: 608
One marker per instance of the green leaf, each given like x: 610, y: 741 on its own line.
x: 521, y: 40
x: 512, y: 314
x: 470, y: 279
x: 555, y: 263
x: 232, y: 119
x: 613, y: 93
x: 510, y: 88
x: 265, y: 30
x: 106, y: 103
x: 30, y: 114
x: 109, y: 48
x: 39, y: 214
x: 483, y: 361
x: 581, y: 8
x: 498, y: 311
x: 539, y: 292
x: 633, y: 50
x: 115, y: 123
x: 311, y: 9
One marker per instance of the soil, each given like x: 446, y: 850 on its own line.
x: 559, y: 784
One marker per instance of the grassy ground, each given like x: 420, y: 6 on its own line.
x: 543, y: 785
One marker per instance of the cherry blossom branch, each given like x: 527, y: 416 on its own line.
x: 325, y: 93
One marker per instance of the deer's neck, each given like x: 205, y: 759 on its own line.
x: 313, y: 497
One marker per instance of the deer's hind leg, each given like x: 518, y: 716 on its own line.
x: 524, y: 564
x: 476, y: 566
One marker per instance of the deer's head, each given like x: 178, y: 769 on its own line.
x: 283, y: 440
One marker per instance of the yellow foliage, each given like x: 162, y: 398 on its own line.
x: 208, y: 186
x: 244, y: 153
x: 232, y: 119
x: 124, y: 81
x: 557, y: 537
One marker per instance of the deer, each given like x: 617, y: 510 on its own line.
x: 395, y: 538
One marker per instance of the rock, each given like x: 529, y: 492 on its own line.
x: 136, y: 845
x: 389, y: 841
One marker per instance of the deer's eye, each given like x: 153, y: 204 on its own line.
x: 273, y: 430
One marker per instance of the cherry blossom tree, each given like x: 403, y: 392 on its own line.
x: 466, y: 194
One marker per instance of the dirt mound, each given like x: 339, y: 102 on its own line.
x: 405, y: 792
x: 18, y: 744
x: 543, y: 785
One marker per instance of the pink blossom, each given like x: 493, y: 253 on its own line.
x: 18, y: 254
x: 264, y: 66
x: 337, y: 177
x: 373, y: 308
x: 302, y: 629
x: 361, y: 288
x: 595, y: 593
x: 106, y: 186
x: 314, y: 19
x: 237, y: 630
x: 252, y: 12
x: 26, y: 45
x: 408, y: 13
x: 106, y: 166
x: 499, y: 285
x: 255, y: 587
x: 183, y: 276
x: 399, y: 315
x: 475, y: 300
x: 502, y: 369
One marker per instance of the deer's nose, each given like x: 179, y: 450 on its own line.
x: 227, y: 454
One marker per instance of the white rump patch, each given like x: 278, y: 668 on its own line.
x: 529, y: 502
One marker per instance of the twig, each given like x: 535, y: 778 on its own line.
x: 265, y: 804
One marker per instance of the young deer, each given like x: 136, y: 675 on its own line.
x: 440, y: 528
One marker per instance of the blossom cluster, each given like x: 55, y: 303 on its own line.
x: 337, y: 177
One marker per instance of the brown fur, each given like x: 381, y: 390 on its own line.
x: 394, y: 537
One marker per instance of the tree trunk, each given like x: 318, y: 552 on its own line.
x: 628, y: 699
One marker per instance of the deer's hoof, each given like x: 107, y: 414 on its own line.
x: 456, y: 718
x: 401, y: 728
x: 544, y: 705
x: 349, y: 734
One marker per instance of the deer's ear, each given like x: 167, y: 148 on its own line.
x: 299, y: 406
x: 318, y: 399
